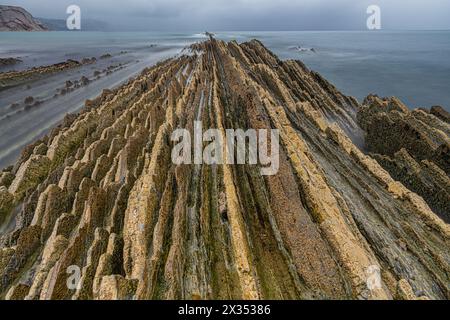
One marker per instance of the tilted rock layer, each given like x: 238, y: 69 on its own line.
x: 413, y: 146
x: 101, y: 193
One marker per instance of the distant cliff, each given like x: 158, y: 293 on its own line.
x: 18, y: 19
x: 86, y: 25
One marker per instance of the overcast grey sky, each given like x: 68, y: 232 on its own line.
x: 255, y: 15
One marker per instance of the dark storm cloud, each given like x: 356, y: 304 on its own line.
x: 182, y: 15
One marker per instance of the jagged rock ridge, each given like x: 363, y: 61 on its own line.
x: 413, y: 146
x: 100, y: 192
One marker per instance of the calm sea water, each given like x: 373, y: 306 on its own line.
x: 412, y: 65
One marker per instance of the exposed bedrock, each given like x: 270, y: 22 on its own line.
x: 413, y: 146
x: 107, y: 199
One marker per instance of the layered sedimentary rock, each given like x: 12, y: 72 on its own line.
x: 413, y: 146
x: 14, y: 18
x: 101, y: 194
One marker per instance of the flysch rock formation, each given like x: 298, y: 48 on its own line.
x: 14, y: 18
x: 413, y: 146
x: 101, y: 193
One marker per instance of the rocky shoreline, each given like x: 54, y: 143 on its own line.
x: 100, y: 192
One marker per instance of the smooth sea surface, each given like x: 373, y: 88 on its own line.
x: 412, y: 65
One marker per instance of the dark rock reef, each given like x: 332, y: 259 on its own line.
x: 15, y: 78
x: 101, y: 193
x: 9, y: 61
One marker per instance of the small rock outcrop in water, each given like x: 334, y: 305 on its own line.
x: 14, y: 18
x: 302, y: 49
x: 29, y: 100
x: 101, y: 193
